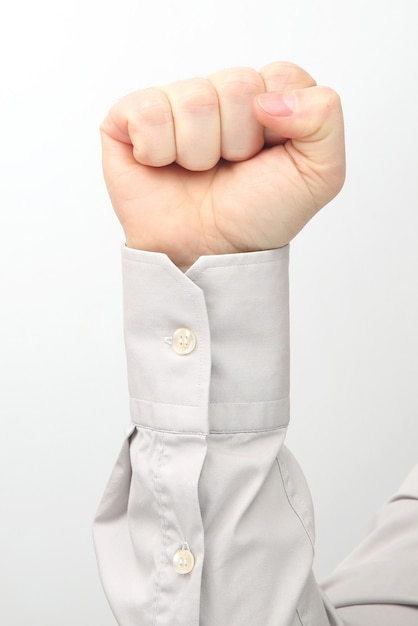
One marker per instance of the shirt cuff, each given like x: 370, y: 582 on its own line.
x: 207, y: 350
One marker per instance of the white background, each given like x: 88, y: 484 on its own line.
x: 63, y: 397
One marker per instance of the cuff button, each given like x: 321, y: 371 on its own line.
x: 183, y: 341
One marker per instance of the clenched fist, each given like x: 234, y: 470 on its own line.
x: 235, y: 162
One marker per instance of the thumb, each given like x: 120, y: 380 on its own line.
x: 311, y: 120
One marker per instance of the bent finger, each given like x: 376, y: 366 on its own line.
x: 242, y: 136
x: 195, y: 108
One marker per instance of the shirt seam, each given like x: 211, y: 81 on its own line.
x: 249, y: 403
x: 163, y: 522
x: 292, y: 505
x: 126, y: 257
x: 197, y: 275
x: 211, y: 432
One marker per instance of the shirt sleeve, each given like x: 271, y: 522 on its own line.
x: 377, y: 582
x: 207, y: 518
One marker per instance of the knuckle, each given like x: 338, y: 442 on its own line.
x: 286, y: 75
x: 113, y: 126
x: 331, y: 98
x: 282, y: 68
x: 196, y: 164
x: 152, y: 109
x: 240, y: 83
x: 238, y: 154
x: 103, y: 127
x: 109, y: 120
x: 147, y: 156
x: 195, y: 95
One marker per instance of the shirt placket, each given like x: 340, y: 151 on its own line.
x: 173, y: 409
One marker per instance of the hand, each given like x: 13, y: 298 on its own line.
x: 236, y: 162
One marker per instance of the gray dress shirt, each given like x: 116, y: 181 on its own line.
x: 207, y: 519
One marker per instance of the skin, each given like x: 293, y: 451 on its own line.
x: 236, y: 162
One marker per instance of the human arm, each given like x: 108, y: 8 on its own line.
x: 204, y: 462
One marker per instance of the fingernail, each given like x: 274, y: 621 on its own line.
x: 279, y: 104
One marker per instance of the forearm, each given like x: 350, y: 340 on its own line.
x: 208, y: 464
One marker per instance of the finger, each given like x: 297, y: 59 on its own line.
x: 242, y: 136
x: 144, y: 120
x: 195, y: 107
x: 312, y: 120
x: 283, y: 76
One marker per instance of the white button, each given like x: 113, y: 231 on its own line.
x: 183, y: 562
x: 184, y: 341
